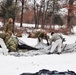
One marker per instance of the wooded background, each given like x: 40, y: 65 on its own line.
x: 45, y: 13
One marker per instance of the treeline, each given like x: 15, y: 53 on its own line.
x: 45, y: 13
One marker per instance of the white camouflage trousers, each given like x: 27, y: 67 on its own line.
x: 58, y: 44
x: 3, y: 48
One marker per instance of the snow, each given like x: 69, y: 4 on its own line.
x: 74, y: 29
x: 15, y: 65
x: 25, y: 25
x: 63, y: 11
x: 29, y: 41
x: 10, y: 65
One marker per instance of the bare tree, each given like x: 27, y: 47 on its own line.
x: 15, y: 10
x: 22, y: 2
x: 43, y: 13
x: 51, y: 8
x: 35, y: 15
x: 70, y: 13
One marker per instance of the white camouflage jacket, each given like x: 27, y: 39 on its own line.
x: 55, y: 37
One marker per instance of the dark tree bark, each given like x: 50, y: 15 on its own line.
x: 14, y: 14
x: 70, y: 13
x: 43, y: 13
x: 35, y: 14
x: 53, y: 12
x: 46, y: 11
x: 22, y: 12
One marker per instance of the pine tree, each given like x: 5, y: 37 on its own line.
x: 8, y: 9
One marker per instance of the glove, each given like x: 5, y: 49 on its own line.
x: 63, y: 40
x: 48, y: 44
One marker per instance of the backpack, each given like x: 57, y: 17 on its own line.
x: 12, y: 44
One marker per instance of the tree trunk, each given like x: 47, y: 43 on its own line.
x: 70, y: 13
x: 22, y: 13
x: 43, y: 14
x: 35, y: 15
x: 53, y: 12
x: 46, y: 11
x: 14, y: 14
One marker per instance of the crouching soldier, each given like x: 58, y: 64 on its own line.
x: 43, y: 35
x: 11, y: 42
x: 6, y: 35
x: 57, y: 39
x: 3, y: 39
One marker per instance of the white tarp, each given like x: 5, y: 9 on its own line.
x: 3, y: 48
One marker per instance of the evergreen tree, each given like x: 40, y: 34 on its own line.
x: 8, y: 9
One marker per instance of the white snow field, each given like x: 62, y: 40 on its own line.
x: 15, y: 65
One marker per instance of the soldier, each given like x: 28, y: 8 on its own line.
x: 8, y: 29
x: 7, y: 35
x: 11, y: 42
x: 57, y: 39
x: 43, y: 35
x: 40, y: 35
x: 9, y: 26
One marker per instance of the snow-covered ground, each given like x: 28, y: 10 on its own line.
x: 13, y: 65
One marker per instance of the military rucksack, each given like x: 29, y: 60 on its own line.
x: 12, y: 44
